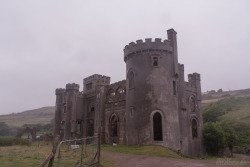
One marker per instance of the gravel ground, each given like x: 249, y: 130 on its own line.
x: 129, y: 160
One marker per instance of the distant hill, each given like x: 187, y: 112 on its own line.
x: 233, y: 105
x: 37, y: 116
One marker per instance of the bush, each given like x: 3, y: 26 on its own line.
x: 9, y: 141
x: 218, y: 136
x: 214, y: 138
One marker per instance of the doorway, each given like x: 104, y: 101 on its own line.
x: 157, y: 126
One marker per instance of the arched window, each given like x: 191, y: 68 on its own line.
x: 111, y: 95
x: 120, y: 92
x: 194, y: 128
x: 131, y: 79
x: 157, y: 126
x: 113, y: 126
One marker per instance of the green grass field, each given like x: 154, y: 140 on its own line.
x: 33, y: 155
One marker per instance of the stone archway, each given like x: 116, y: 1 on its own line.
x: 157, y: 127
x: 113, y: 126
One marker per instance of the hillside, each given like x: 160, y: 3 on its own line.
x: 232, y: 108
x: 232, y: 105
x: 37, y: 116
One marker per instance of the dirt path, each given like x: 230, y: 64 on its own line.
x: 129, y: 160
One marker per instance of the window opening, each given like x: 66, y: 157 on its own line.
x: 89, y: 86
x: 131, y: 80
x: 155, y: 61
x: 174, y: 87
x: 91, y: 127
x: 192, y: 104
x: 113, y: 126
x: 194, y: 129
x: 78, y: 130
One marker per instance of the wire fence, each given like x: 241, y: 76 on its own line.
x: 83, y: 151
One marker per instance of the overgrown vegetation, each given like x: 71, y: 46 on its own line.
x: 10, y: 141
x: 226, y: 123
x: 42, y: 128
x: 6, y: 130
x: 217, y: 136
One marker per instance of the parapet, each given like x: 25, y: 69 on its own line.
x: 96, y: 77
x: 59, y: 91
x: 148, y: 45
x: 72, y: 86
x: 193, y: 77
x: 90, y: 83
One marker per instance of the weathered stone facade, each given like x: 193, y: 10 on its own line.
x: 154, y: 105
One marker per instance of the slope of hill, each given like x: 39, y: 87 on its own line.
x: 232, y: 107
x: 37, y: 116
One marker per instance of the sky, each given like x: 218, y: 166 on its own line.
x: 45, y: 44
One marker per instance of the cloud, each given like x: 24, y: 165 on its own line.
x: 47, y: 44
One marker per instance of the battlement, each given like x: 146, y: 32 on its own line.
x: 193, y: 77
x: 59, y: 91
x: 72, y: 86
x: 119, y: 83
x: 92, y: 81
x: 148, y: 45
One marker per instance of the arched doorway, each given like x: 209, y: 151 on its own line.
x: 157, y: 126
x: 113, y: 126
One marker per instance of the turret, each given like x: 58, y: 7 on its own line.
x: 58, y: 110
x: 151, y: 92
x: 72, y: 91
x: 195, y: 80
x: 173, y: 42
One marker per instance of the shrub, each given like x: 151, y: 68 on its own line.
x: 9, y: 141
x: 214, y: 138
x: 218, y: 136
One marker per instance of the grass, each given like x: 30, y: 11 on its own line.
x: 33, y: 155
x: 9, y: 141
x: 151, y: 150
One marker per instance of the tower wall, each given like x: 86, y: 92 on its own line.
x: 58, y: 110
x: 152, y: 92
x: 72, y: 91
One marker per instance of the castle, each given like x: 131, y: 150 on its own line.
x: 154, y: 105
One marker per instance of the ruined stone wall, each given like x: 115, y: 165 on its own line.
x: 191, y: 117
x: 115, y: 108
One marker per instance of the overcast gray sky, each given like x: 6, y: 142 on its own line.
x: 45, y: 44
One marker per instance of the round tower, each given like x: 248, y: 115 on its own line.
x: 152, y: 96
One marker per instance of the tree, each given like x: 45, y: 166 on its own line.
x: 230, y: 135
x: 214, y: 138
x: 4, y: 129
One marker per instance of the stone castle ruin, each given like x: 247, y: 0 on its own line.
x: 154, y: 105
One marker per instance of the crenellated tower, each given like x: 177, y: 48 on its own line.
x: 152, y: 99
